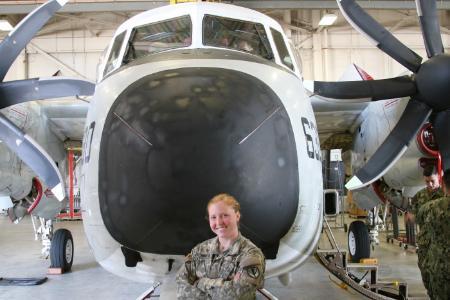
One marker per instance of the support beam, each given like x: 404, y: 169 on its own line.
x: 91, y: 19
x: 57, y: 61
x: 402, y: 22
x: 291, y: 27
x: 127, y: 6
x: 317, y: 48
x: 287, y: 20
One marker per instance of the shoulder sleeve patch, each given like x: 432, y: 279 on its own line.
x: 250, y: 261
x: 252, y: 267
x: 253, y: 272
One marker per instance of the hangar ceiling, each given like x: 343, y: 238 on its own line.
x: 295, y: 15
x: 72, y: 42
x: 25, y: 6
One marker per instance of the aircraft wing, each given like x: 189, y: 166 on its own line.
x: 335, y: 117
x: 66, y: 117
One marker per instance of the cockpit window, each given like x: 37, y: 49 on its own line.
x: 114, y: 54
x: 282, y: 49
x: 236, y: 34
x: 157, y: 37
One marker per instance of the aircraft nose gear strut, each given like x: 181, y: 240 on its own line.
x: 44, y: 233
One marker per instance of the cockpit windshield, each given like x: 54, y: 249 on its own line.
x: 160, y: 36
x: 236, y: 34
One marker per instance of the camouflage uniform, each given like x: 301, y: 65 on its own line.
x: 209, y: 274
x: 435, y: 237
x: 422, y: 197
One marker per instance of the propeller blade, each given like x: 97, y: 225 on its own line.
x: 393, y: 147
x: 24, y: 32
x: 380, y: 37
x: 441, y: 129
x: 18, y: 91
x: 429, y: 22
x: 366, y: 90
x: 33, y: 155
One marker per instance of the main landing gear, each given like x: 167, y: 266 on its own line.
x: 335, y: 260
x: 358, y: 241
x: 362, y: 237
x: 61, y: 251
x: 57, y: 245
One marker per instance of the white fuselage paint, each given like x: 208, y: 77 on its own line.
x: 303, y: 235
x: 15, y: 176
x: 378, y: 120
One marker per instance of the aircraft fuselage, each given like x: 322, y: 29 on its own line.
x: 167, y: 131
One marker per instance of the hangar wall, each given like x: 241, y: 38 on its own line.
x: 325, y: 53
x: 327, y: 56
x: 78, y: 50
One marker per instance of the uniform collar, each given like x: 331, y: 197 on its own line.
x: 233, y: 250
x: 437, y: 191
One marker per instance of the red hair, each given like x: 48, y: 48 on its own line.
x: 228, y: 199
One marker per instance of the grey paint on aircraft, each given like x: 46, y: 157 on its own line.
x: 174, y: 139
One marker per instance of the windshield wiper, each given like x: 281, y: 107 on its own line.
x: 158, y: 36
x: 265, y: 42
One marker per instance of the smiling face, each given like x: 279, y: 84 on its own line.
x: 223, y: 220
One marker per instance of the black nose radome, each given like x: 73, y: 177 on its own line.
x: 174, y: 139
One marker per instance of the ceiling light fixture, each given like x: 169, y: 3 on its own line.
x: 5, y: 25
x: 327, y: 20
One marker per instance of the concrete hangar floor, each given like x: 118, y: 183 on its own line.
x: 20, y: 257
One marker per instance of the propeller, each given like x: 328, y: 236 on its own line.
x: 378, y: 35
x: 33, y: 155
x: 429, y: 22
x: 428, y: 88
x: 18, y: 91
x: 22, y: 34
x: 365, y: 90
x: 13, y: 92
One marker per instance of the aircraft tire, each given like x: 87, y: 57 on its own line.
x: 61, y: 250
x: 358, y: 241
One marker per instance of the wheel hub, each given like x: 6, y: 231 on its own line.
x: 433, y: 82
x: 351, y: 243
x: 69, y: 251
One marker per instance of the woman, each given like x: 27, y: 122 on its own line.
x: 228, y: 266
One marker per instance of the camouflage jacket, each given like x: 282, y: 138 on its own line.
x: 435, y: 233
x: 209, y: 274
x: 422, y: 197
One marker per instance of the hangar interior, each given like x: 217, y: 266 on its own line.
x: 73, y: 41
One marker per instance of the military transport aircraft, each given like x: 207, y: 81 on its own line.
x: 391, y: 141
x: 193, y: 100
